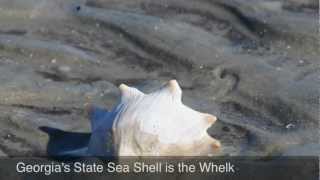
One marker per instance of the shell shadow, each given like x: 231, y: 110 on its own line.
x: 65, y: 144
x: 70, y: 145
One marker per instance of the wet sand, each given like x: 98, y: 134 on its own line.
x: 253, y: 64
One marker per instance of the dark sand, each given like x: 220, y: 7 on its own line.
x: 253, y: 64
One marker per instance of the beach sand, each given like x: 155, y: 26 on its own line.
x: 254, y: 65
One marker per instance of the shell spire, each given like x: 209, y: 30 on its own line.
x: 128, y: 93
x: 210, y: 119
x: 173, y: 87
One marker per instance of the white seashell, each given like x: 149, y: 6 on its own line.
x: 159, y: 124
